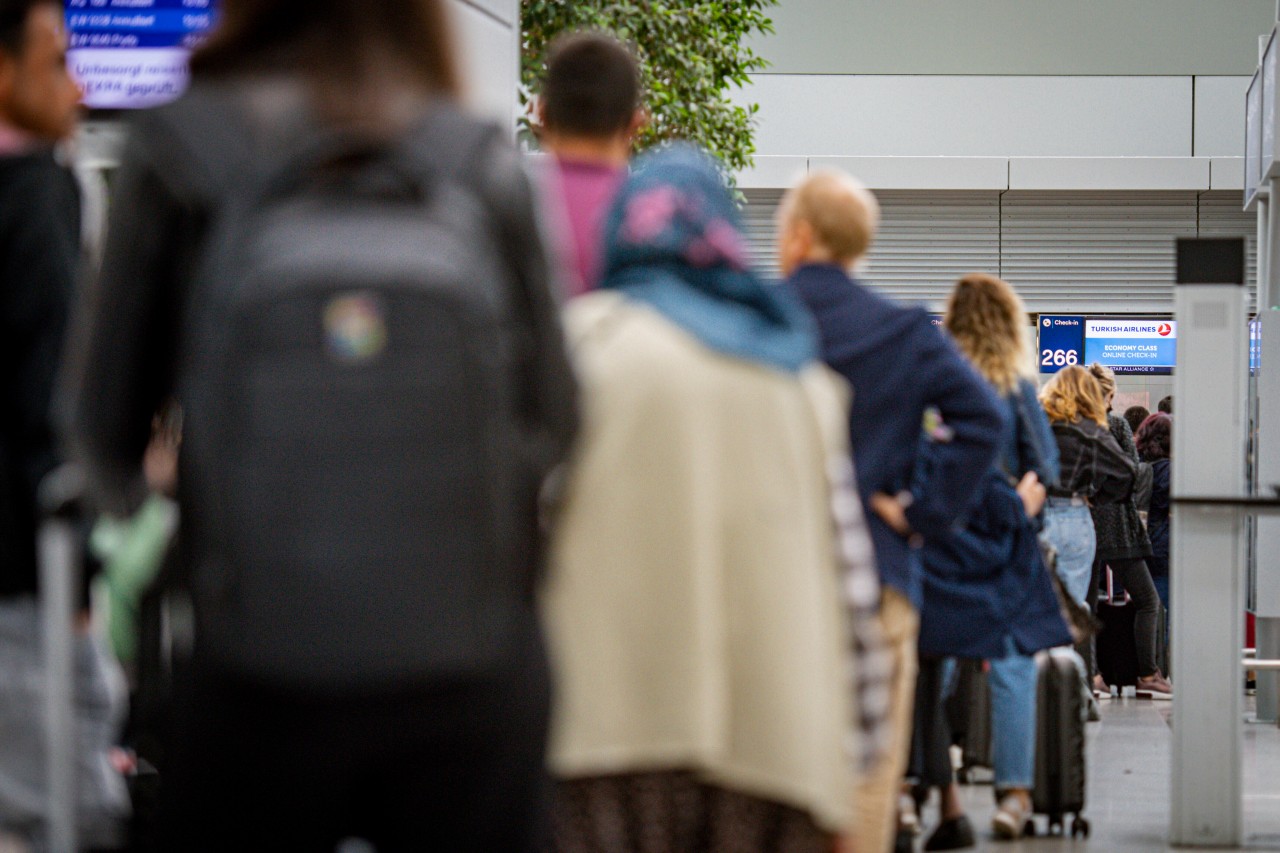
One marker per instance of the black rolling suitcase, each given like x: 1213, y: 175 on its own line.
x: 1061, y: 712
x: 968, y: 711
x: 1117, y: 654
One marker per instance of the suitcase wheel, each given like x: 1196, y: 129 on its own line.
x: 1080, y: 828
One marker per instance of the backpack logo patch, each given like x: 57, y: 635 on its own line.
x: 355, y: 328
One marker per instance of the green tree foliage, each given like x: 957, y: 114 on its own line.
x: 690, y: 53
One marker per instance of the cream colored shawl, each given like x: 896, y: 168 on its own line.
x: 693, y: 607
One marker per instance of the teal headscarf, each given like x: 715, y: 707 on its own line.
x: 673, y: 240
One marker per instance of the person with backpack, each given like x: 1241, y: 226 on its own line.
x: 708, y: 532
x: 336, y: 273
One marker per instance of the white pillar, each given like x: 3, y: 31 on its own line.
x: 1207, y: 549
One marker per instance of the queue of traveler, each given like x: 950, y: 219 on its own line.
x: 517, y: 511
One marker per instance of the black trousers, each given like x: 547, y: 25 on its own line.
x: 455, y: 766
x: 930, y: 764
x: 1135, y: 578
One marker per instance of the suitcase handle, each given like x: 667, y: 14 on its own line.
x: 1111, y: 590
x: 61, y: 500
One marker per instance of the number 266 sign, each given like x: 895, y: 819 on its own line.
x: 1061, y: 342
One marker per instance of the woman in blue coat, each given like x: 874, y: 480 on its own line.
x: 987, y: 593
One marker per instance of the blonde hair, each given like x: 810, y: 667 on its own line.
x: 986, y: 317
x: 1106, y: 378
x: 1073, y: 393
x: 843, y: 214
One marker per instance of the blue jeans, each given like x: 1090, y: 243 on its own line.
x: 1013, y: 718
x: 1162, y: 589
x: 1069, y: 529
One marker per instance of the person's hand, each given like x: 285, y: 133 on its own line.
x: 160, y: 467
x: 1033, y: 494
x: 891, y: 512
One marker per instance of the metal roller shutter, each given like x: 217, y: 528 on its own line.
x: 1221, y: 216
x: 1094, y: 253
x: 1065, y: 252
x: 926, y: 240
x: 758, y: 222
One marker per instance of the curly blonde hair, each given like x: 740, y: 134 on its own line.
x: 1106, y: 378
x: 989, y: 323
x: 1073, y: 393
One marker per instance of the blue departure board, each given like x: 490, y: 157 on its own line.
x: 131, y: 54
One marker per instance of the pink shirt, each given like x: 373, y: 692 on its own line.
x: 584, y: 192
x: 14, y: 141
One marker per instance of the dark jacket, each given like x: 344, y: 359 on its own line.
x: 899, y: 365
x: 1158, y: 519
x: 1029, y: 444
x: 1120, y: 533
x: 988, y: 581
x: 1092, y: 465
x: 39, y: 256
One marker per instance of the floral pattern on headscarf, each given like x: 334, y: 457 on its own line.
x: 674, y: 240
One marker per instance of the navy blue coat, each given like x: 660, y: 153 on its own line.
x: 1158, y: 519
x: 899, y: 365
x: 988, y: 581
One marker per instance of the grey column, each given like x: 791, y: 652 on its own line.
x: 1207, y: 553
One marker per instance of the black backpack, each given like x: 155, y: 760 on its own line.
x: 359, y: 506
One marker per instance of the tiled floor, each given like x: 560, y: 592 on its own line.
x: 1128, y: 793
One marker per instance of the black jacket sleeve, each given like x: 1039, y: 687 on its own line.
x: 39, y: 259
x: 550, y: 388
x: 1114, y: 472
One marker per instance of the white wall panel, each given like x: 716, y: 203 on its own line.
x: 1219, y: 120
x: 1227, y: 173
x: 506, y: 11
x: 922, y: 173
x: 488, y: 50
x: 972, y: 116
x: 1109, y: 173
x: 773, y: 173
x: 1182, y: 37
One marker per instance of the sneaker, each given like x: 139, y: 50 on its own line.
x: 954, y: 834
x: 1101, y: 690
x: 908, y: 816
x: 1011, y: 817
x: 1154, y: 687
